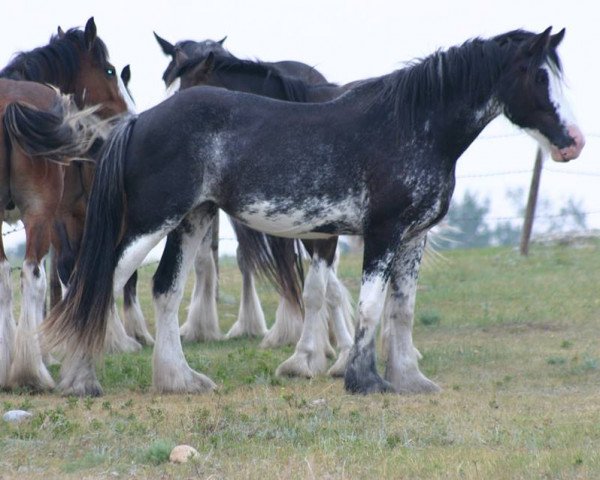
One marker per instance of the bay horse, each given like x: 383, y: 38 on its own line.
x: 378, y: 161
x: 42, y: 131
x: 77, y: 63
x: 202, y: 322
x: 260, y: 78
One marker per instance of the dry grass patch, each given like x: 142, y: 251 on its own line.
x: 512, y: 341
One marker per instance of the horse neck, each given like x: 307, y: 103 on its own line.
x: 449, y: 120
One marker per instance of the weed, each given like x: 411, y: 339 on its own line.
x: 158, y: 452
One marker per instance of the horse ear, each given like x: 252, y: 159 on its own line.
x: 126, y: 75
x: 222, y: 41
x: 90, y: 33
x: 539, y: 44
x: 180, y: 56
x: 205, y: 67
x: 556, y: 39
x: 167, y: 48
x: 60, y: 32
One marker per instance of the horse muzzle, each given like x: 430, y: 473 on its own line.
x: 572, y: 151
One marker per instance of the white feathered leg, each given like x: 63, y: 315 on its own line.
x: 7, y: 323
x: 27, y: 368
x: 309, y: 358
x: 202, y: 323
x: 171, y: 372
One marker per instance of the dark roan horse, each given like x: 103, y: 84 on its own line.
x: 77, y: 63
x: 261, y: 78
x: 378, y: 161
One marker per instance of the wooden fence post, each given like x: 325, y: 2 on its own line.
x: 531, y: 202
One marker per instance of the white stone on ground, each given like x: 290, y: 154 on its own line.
x: 182, y: 453
x: 16, y: 416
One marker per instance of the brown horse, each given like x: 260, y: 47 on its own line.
x: 76, y: 62
x: 41, y: 132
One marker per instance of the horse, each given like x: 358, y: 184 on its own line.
x: 202, y: 322
x: 56, y: 288
x: 378, y: 161
x: 76, y: 62
x: 186, y: 49
x: 260, y: 78
x: 42, y: 131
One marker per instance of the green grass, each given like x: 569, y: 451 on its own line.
x: 512, y: 341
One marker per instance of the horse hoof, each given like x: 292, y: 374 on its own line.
x: 303, y: 365
x: 185, y: 380
x: 338, y: 369
x: 90, y: 388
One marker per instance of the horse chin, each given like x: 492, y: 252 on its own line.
x: 564, y: 155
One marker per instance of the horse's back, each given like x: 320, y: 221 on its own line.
x: 302, y: 71
x: 36, y: 94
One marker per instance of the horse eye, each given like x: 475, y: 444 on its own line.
x: 110, y: 72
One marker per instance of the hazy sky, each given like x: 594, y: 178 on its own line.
x: 349, y: 40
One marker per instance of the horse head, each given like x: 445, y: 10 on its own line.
x: 531, y: 95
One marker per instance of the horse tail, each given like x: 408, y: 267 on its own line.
x: 277, y: 259
x: 81, y: 317
x: 59, y: 134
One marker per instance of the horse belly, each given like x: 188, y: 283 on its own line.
x: 313, y: 220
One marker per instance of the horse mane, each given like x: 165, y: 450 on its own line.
x: 432, y: 82
x: 56, y: 63
x: 295, y: 89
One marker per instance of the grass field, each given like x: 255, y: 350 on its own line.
x: 512, y: 341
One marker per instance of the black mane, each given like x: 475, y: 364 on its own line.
x: 295, y: 89
x: 56, y: 63
x: 432, y: 82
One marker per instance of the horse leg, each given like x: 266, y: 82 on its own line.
x: 309, y: 358
x: 361, y: 372
x: 171, y: 372
x: 27, y: 368
x: 338, y: 302
x: 402, y: 369
x: 55, y: 283
x: 202, y: 322
x: 135, y: 325
x: 78, y: 373
x: 117, y: 339
x: 287, y: 328
x: 7, y: 321
x: 251, y: 319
